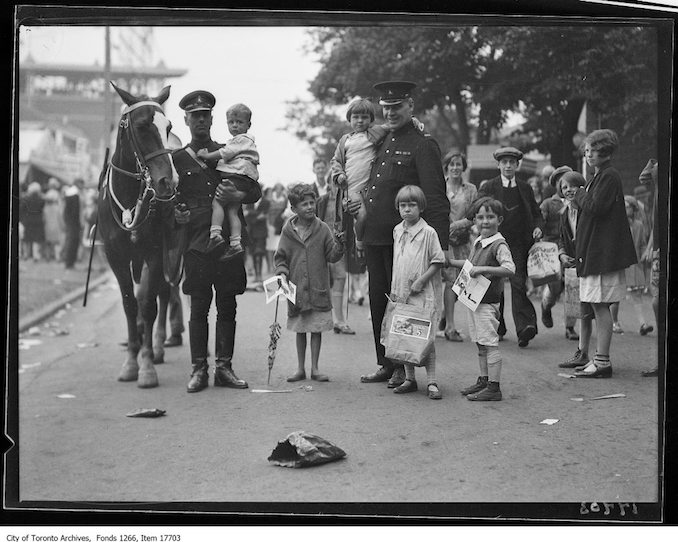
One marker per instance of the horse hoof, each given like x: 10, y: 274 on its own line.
x: 128, y: 374
x: 147, y: 379
x: 158, y: 358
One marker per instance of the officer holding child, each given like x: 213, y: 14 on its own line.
x: 204, y: 274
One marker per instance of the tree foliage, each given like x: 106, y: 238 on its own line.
x: 470, y: 77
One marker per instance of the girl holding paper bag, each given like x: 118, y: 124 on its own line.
x: 417, y: 261
x: 491, y: 257
x: 306, y: 248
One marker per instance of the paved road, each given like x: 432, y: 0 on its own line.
x: 213, y: 446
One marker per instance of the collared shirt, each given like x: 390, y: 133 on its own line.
x: 504, y: 257
x: 572, y: 218
x: 322, y: 190
x: 508, y: 183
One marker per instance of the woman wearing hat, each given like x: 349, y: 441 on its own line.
x: 604, y: 247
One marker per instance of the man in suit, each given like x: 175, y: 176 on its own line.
x: 522, y: 225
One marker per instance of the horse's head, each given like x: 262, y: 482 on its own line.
x: 142, y: 141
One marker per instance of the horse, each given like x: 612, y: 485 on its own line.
x: 136, y: 209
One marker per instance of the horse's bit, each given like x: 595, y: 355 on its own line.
x: 129, y: 219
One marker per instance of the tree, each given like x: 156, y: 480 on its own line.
x: 470, y: 78
x: 549, y: 73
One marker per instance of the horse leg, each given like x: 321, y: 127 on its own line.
x: 161, y: 324
x: 148, y: 378
x: 130, y: 368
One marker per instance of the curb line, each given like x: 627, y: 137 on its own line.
x: 38, y: 316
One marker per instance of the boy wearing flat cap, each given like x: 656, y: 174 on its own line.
x: 521, y: 226
x: 199, y: 184
x: 405, y: 157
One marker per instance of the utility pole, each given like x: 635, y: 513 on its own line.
x: 107, y: 91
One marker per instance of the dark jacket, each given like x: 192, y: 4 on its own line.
x: 305, y: 264
x: 603, y: 241
x: 405, y: 157
x: 566, y: 238
x: 494, y: 189
x: 196, y: 189
x: 256, y: 216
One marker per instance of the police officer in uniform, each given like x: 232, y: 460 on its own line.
x: 204, y: 275
x: 407, y: 156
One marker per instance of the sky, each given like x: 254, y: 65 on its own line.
x: 262, y: 67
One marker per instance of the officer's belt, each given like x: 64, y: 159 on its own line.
x: 200, y: 201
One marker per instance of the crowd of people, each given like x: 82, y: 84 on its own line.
x: 399, y: 220
x: 55, y: 221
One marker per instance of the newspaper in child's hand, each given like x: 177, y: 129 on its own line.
x: 470, y: 290
x: 276, y: 286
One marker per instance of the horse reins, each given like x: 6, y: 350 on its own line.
x: 128, y: 218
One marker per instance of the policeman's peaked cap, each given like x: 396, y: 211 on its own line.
x: 394, y: 92
x: 198, y: 100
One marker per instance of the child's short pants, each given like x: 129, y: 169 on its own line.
x: 484, y: 323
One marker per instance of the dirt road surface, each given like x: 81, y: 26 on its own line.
x: 76, y: 444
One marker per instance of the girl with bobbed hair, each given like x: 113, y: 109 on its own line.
x: 603, y: 244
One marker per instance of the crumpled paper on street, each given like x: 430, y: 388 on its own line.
x: 301, y: 449
x: 146, y: 413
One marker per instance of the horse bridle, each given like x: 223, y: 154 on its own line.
x: 129, y: 220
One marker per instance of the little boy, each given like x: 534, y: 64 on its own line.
x: 238, y: 160
x: 491, y: 257
x: 350, y: 166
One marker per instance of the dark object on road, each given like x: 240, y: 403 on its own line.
x: 146, y: 413
x: 301, y: 449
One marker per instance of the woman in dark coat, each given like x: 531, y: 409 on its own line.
x: 31, y: 216
x: 603, y: 245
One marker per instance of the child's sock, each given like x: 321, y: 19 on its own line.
x: 482, y: 360
x: 601, y: 360
x: 215, y: 232
x: 494, y: 363
x: 409, y: 371
x: 431, y: 369
x: 235, y: 240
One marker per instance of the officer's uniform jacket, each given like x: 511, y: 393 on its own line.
x: 197, y: 186
x: 406, y: 156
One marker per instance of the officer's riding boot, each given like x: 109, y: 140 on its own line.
x: 225, y: 341
x: 197, y: 332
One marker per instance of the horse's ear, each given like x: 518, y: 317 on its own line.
x: 126, y: 96
x: 164, y: 94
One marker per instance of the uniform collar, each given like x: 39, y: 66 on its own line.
x: 405, y: 128
x: 489, y: 240
x: 506, y: 183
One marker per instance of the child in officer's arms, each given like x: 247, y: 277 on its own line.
x: 491, y: 257
x: 350, y: 166
x: 238, y: 161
